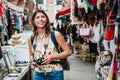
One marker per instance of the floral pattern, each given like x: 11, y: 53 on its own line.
x: 39, y: 51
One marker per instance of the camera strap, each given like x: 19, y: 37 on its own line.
x: 45, y: 47
x: 34, y: 45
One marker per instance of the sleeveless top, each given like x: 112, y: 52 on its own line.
x: 51, y: 50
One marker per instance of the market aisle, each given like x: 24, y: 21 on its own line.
x: 78, y: 69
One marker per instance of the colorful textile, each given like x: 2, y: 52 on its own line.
x: 112, y: 75
x: 1, y: 9
x: 93, y: 2
x: 64, y: 12
x: 74, y: 18
x: 40, y: 51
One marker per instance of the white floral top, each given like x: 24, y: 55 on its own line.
x: 39, y: 51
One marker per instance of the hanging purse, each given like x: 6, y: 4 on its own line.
x: 85, y: 31
x: 109, y: 35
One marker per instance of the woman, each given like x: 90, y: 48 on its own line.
x: 45, y: 49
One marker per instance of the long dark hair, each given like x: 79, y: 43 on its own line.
x: 34, y: 28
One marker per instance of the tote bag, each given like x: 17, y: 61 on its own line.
x: 85, y: 32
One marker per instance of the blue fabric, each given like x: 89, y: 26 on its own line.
x: 55, y: 75
x: 18, y: 25
x: 2, y: 26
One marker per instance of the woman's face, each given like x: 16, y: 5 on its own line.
x: 40, y: 20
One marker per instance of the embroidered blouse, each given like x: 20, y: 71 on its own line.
x: 51, y: 50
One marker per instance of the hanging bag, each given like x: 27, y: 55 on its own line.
x: 109, y: 34
x: 85, y: 31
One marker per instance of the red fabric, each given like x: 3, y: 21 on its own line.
x: 93, y: 2
x: 109, y: 35
x: 63, y: 12
x: 1, y: 9
x: 115, y: 67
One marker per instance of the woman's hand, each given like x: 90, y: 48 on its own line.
x: 34, y: 64
x: 47, y: 59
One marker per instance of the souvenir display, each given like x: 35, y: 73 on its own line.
x: 16, y: 39
x: 21, y: 55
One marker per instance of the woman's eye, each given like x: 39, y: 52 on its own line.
x: 37, y: 17
x: 42, y: 16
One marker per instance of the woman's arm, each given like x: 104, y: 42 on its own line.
x: 30, y: 49
x: 62, y: 43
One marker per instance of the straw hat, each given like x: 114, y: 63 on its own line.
x: 16, y: 39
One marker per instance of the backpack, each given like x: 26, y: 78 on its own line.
x: 64, y: 62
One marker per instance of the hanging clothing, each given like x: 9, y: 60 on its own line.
x: 18, y: 23
x: 9, y: 23
x: 93, y: 2
x: 1, y: 9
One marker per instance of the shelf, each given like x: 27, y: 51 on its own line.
x: 25, y: 69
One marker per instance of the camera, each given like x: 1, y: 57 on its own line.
x: 38, y: 60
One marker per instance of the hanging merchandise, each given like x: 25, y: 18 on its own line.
x: 1, y: 9
x: 110, y: 22
x: 65, y: 8
x: 117, y: 24
x: 109, y: 35
x: 93, y: 2
x: 88, y: 4
x: 74, y: 13
x: 118, y: 55
x: 91, y: 17
x: 112, y: 74
x: 82, y: 9
x: 85, y: 31
x: 64, y: 12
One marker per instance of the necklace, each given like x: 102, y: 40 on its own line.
x: 42, y: 36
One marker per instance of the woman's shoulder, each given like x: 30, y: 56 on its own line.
x: 57, y: 33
